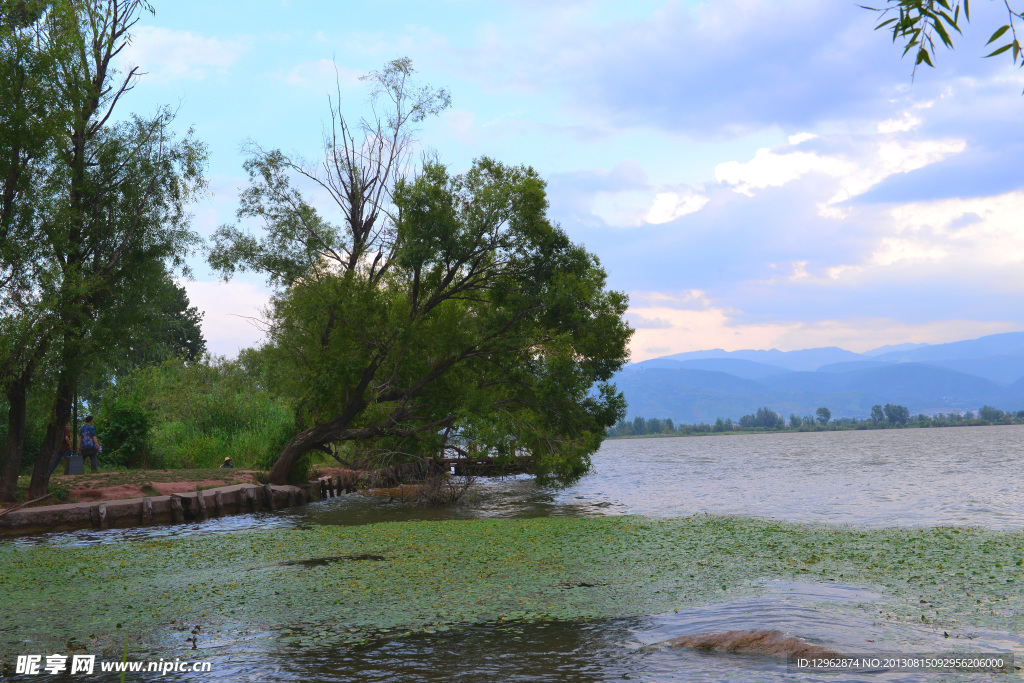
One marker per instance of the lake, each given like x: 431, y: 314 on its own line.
x: 967, y: 476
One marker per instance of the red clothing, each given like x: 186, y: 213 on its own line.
x: 65, y: 445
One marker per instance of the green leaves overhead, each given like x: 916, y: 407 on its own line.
x: 917, y: 22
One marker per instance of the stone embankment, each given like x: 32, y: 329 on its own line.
x: 176, y: 508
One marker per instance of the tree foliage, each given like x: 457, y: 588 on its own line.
x: 917, y: 24
x: 100, y: 208
x: 896, y: 414
x: 764, y: 418
x: 443, y: 312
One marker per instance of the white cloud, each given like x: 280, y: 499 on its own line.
x: 169, y: 55
x: 619, y: 197
x: 680, y: 329
x: 949, y: 239
x: 461, y: 124
x: 799, y: 270
x: 869, y: 163
x: 773, y: 169
x: 689, y: 299
x: 890, y: 158
x: 836, y: 272
x: 322, y: 75
x: 622, y: 209
x: 907, y: 121
x: 800, y: 137
x: 985, y: 231
x: 670, y: 205
x: 231, y: 313
x: 903, y: 124
x: 893, y: 250
x: 218, y: 206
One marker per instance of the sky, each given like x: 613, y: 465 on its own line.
x: 752, y: 173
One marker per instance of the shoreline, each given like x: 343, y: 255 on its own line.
x: 175, y: 508
x: 840, y: 428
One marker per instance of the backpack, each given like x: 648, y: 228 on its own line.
x: 87, y: 441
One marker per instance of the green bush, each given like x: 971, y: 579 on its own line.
x: 195, y: 415
x: 125, y: 427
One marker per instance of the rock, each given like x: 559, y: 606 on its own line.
x: 177, y: 511
x: 250, y: 499
x: 751, y: 642
x: 201, y: 505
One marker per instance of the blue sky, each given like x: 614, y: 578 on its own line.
x: 753, y: 173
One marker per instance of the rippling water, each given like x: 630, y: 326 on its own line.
x: 913, y: 477
x: 612, y: 649
x: 907, y: 477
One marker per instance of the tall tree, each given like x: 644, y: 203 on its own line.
x: 111, y: 204
x: 446, y: 311
x: 29, y: 120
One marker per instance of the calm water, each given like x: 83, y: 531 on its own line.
x: 919, y: 477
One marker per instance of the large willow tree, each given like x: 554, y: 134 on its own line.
x: 438, y: 312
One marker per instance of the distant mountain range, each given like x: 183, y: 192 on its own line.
x: 701, y: 386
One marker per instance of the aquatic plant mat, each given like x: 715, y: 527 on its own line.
x: 344, y: 586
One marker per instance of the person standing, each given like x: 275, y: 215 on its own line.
x: 65, y: 448
x: 90, y: 444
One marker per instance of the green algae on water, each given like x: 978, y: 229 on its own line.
x: 344, y: 585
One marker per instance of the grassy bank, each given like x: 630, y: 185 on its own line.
x: 385, y: 580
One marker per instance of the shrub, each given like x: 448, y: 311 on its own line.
x: 124, y: 424
x: 195, y: 415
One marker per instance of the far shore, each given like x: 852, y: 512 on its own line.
x: 860, y: 427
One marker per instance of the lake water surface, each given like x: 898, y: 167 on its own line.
x: 913, y: 477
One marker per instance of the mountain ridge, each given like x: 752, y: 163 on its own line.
x: 957, y: 376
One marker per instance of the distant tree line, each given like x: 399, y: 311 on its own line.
x: 767, y: 420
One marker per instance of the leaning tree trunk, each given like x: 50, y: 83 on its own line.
x: 314, y: 438
x: 54, y: 434
x: 300, y: 444
x: 17, y: 400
